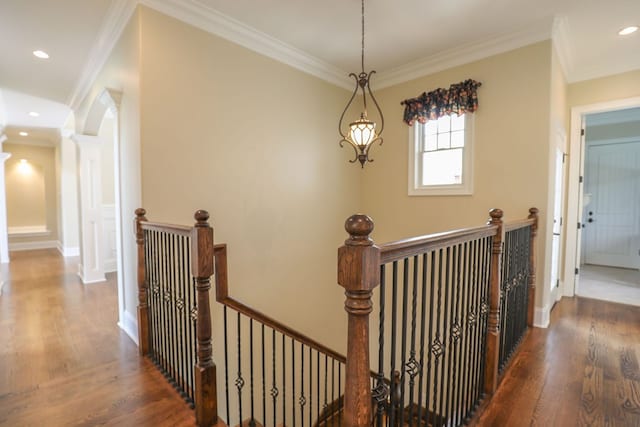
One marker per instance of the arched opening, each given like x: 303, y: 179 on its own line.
x: 100, y: 204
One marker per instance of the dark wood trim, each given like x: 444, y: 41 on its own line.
x: 205, y: 370
x: 359, y: 274
x: 400, y: 249
x: 531, y: 304
x: 143, y: 308
x: 493, y: 321
x: 520, y: 223
x: 222, y: 296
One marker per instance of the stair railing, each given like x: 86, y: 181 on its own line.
x: 451, y: 285
x: 175, y: 264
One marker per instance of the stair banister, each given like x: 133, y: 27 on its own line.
x: 205, y: 370
x: 359, y: 274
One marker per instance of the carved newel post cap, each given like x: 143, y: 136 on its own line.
x: 201, y: 216
x: 141, y: 212
x: 359, y: 227
x: 496, y: 215
x: 533, y: 211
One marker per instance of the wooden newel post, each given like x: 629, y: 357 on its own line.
x: 493, y: 322
x: 143, y: 286
x: 205, y: 369
x: 531, y: 303
x: 359, y: 274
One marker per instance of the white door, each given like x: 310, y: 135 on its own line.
x: 557, y: 225
x: 612, y: 178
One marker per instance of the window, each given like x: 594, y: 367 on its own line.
x: 440, y: 157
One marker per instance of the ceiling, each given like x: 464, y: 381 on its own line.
x: 399, y: 35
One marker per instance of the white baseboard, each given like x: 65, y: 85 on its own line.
x: 541, y: 317
x: 68, y: 251
x: 88, y: 282
x: 30, y: 246
x: 129, y: 325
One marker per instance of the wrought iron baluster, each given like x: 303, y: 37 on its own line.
x: 445, y: 344
x: 239, y: 382
x: 393, y: 401
x: 403, y: 351
x: 274, y: 388
x: 456, y: 333
x: 423, y: 316
x: 302, y: 401
x: 264, y: 388
x: 293, y: 382
x: 226, y: 363
x: 381, y: 391
x: 251, y: 377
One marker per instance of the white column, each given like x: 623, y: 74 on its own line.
x: 91, y: 268
x: 69, y: 222
x: 4, y: 236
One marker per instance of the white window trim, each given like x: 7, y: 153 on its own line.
x: 463, y: 189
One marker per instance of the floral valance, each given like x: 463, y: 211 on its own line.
x: 460, y: 98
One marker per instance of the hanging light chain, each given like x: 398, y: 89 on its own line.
x: 362, y: 56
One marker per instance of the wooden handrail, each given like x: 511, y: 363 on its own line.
x: 517, y: 224
x: 222, y: 296
x: 397, y: 250
x: 180, y: 230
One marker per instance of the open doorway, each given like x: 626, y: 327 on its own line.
x: 607, y: 244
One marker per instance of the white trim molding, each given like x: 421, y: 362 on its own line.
x: 464, y: 54
x: 129, y: 324
x: 542, y: 316
x: 198, y: 14
x: 575, y: 166
x: 68, y: 251
x: 118, y: 16
x: 560, y: 42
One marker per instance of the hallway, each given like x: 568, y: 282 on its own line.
x: 581, y: 371
x: 63, y: 359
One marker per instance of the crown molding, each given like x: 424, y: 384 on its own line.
x: 199, y: 15
x: 116, y: 20
x: 561, y: 44
x: 464, y: 54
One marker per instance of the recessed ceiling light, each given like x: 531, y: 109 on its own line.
x: 23, y: 161
x: 23, y: 133
x: 41, y: 54
x: 628, y: 30
x: 33, y: 114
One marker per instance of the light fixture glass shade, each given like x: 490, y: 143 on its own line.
x: 362, y: 131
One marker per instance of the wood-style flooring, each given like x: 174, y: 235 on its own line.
x: 581, y: 371
x: 63, y: 359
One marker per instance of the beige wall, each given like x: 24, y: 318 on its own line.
x: 32, y: 194
x: 619, y: 86
x: 511, y: 149
x: 254, y: 142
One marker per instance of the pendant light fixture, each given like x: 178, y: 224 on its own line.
x: 362, y: 133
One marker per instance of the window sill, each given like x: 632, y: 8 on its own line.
x: 441, y: 191
x: 29, y: 231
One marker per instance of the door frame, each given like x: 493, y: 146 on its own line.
x: 574, y: 196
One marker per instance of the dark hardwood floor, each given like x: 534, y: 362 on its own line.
x: 64, y: 362
x: 581, y: 371
x: 63, y: 359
